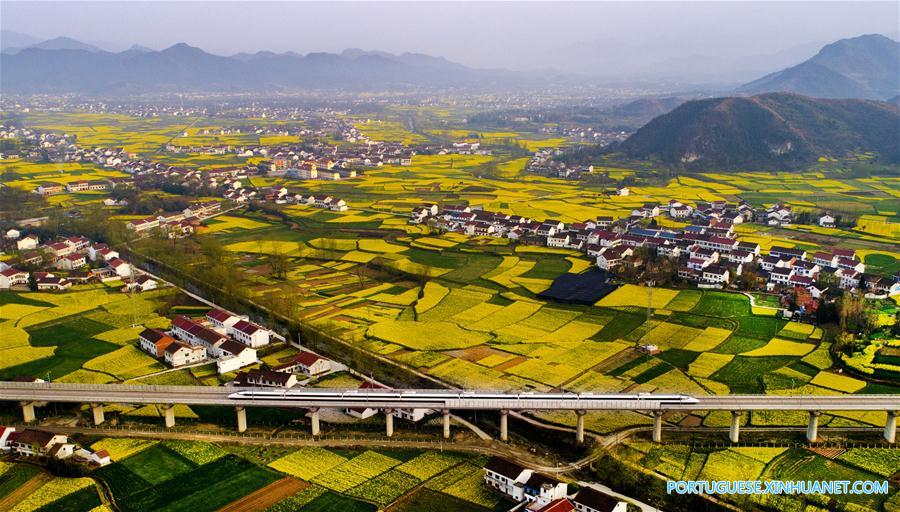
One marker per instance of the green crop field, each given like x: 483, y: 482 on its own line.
x: 84, y: 335
x: 681, y: 461
x: 162, y: 477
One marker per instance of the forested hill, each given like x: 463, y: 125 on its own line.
x: 775, y: 129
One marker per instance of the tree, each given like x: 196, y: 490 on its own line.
x: 850, y: 309
x: 279, y: 262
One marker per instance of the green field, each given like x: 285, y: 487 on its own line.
x: 681, y: 461
x: 85, y: 335
x: 159, y: 477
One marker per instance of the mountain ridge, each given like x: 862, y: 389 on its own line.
x: 864, y: 67
x: 768, y: 130
x: 182, y: 66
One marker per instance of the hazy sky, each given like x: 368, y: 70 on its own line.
x: 498, y: 34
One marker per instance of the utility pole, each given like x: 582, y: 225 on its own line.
x: 131, y: 295
x: 649, y: 298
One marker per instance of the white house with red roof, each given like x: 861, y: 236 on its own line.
x: 60, y: 249
x: 120, y: 267
x: 249, y: 333
x: 100, y: 458
x: 140, y: 225
x: 12, y: 277
x: 849, y: 278
x: 78, y: 243
x: 72, y: 261
x: 311, y: 364
x: 52, y: 283
x: 221, y: 320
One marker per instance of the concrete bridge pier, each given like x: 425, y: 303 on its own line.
x: 504, y: 425
x: 241, y: 418
x: 314, y: 417
x: 890, y: 427
x: 389, y: 422
x: 169, y: 415
x: 579, y: 426
x: 97, y: 411
x: 812, y: 431
x: 735, y: 432
x: 657, y: 426
x: 445, y: 413
x: 28, y: 411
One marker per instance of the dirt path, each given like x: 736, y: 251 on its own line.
x: 267, y: 496
x: 10, y: 500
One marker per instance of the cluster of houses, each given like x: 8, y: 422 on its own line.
x: 707, y: 251
x: 284, y: 375
x: 456, y: 148
x: 585, y: 133
x: 50, y: 188
x: 39, y: 144
x: 543, y: 163
x: 41, y: 443
x: 58, y: 264
x: 281, y: 195
x: 177, y: 224
x: 536, y: 492
x: 228, y: 339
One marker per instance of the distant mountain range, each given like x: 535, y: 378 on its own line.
x: 61, y: 65
x: 642, y: 110
x: 865, y: 67
x: 769, y: 130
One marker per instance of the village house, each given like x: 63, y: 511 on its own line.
x: 13, y: 277
x: 521, y: 484
x: 591, y: 500
x: 52, y: 283
x: 848, y: 278
x: 48, y: 189
x: 311, y: 364
x: 560, y: 505
x: 39, y: 443
x: 825, y: 259
x: 179, y: 354
x: 266, y: 378
x: 780, y: 276
x: 71, y: 262
x: 143, y: 283
x: 826, y: 221
x: 233, y: 356
x: 187, y: 330
x: 249, y: 333
x: 613, y: 256
x: 507, y: 478
x: 142, y: 225
x: 229, y: 354
x: 154, y: 342
x: 100, y: 458
x: 120, y: 267
x: 60, y: 249
x: 221, y: 320
x: 27, y: 243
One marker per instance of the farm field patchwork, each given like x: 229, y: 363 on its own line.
x: 462, y: 311
x: 680, y: 461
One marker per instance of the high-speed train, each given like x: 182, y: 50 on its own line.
x: 442, y: 397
